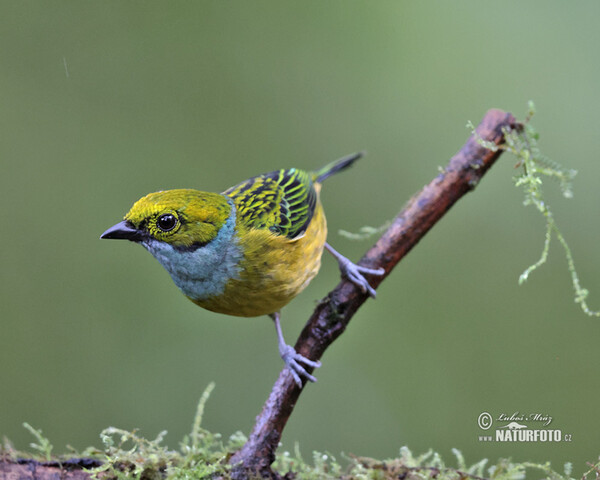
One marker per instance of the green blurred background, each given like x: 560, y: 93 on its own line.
x: 103, y: 102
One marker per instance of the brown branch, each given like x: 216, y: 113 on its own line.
x: 332, y: 315
x: 29, y: 469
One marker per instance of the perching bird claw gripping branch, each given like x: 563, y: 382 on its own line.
x: 332, y: 315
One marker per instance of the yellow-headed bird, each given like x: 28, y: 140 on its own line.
x: 247, y: 251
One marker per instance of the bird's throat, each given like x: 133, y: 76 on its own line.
x: 202, y: 273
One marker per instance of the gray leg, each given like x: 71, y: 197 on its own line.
x: 292, y: 358
x: 354, y: 272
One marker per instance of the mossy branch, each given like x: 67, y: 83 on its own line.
x: 334, y: 312
x: 138, y: 459
x: 535, y: 166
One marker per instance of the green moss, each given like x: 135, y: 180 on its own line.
x: 43, y: 445
x: 365, y: 232
x: 534, y: 169
x: 202, y: 454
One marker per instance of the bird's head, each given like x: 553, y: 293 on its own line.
x: 182, y: 218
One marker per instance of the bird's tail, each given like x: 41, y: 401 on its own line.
x: 335, y: 167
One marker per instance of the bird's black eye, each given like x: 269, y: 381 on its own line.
x: 167, y: 222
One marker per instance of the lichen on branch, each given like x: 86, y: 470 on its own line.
x: 534, y: 168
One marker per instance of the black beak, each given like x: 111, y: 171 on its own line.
x: 123, y: 231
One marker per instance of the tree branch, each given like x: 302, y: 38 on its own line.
x: 334, y: 312
x: 29, y: 469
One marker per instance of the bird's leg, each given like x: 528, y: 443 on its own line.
x: 292, y: 358
x: 354, y: 272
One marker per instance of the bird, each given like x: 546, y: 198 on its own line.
x: 247, y: 251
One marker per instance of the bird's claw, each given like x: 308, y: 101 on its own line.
x: 354, y: 273
x: 293, y: 361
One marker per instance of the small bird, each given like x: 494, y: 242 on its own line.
x: 247, y: 251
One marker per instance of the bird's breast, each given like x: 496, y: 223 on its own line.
x: 272, y: 271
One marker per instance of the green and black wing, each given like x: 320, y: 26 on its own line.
x: 282, y: 201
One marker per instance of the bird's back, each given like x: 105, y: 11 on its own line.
x: 282, y: 202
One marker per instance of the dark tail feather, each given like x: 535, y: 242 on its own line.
x: 336, y: 166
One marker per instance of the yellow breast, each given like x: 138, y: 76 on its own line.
x: 273, y: 271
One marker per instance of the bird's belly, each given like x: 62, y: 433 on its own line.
x: 273, y: 271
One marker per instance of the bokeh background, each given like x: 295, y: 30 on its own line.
x: 103, y: 102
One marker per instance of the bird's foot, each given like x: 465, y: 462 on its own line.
x: 292, y: 358
x: 354, y: 272
x: 293, y: 361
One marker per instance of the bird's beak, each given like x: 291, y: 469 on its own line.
x: 123, y: 231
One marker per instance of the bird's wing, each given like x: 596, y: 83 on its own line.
x: 282, y: 201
